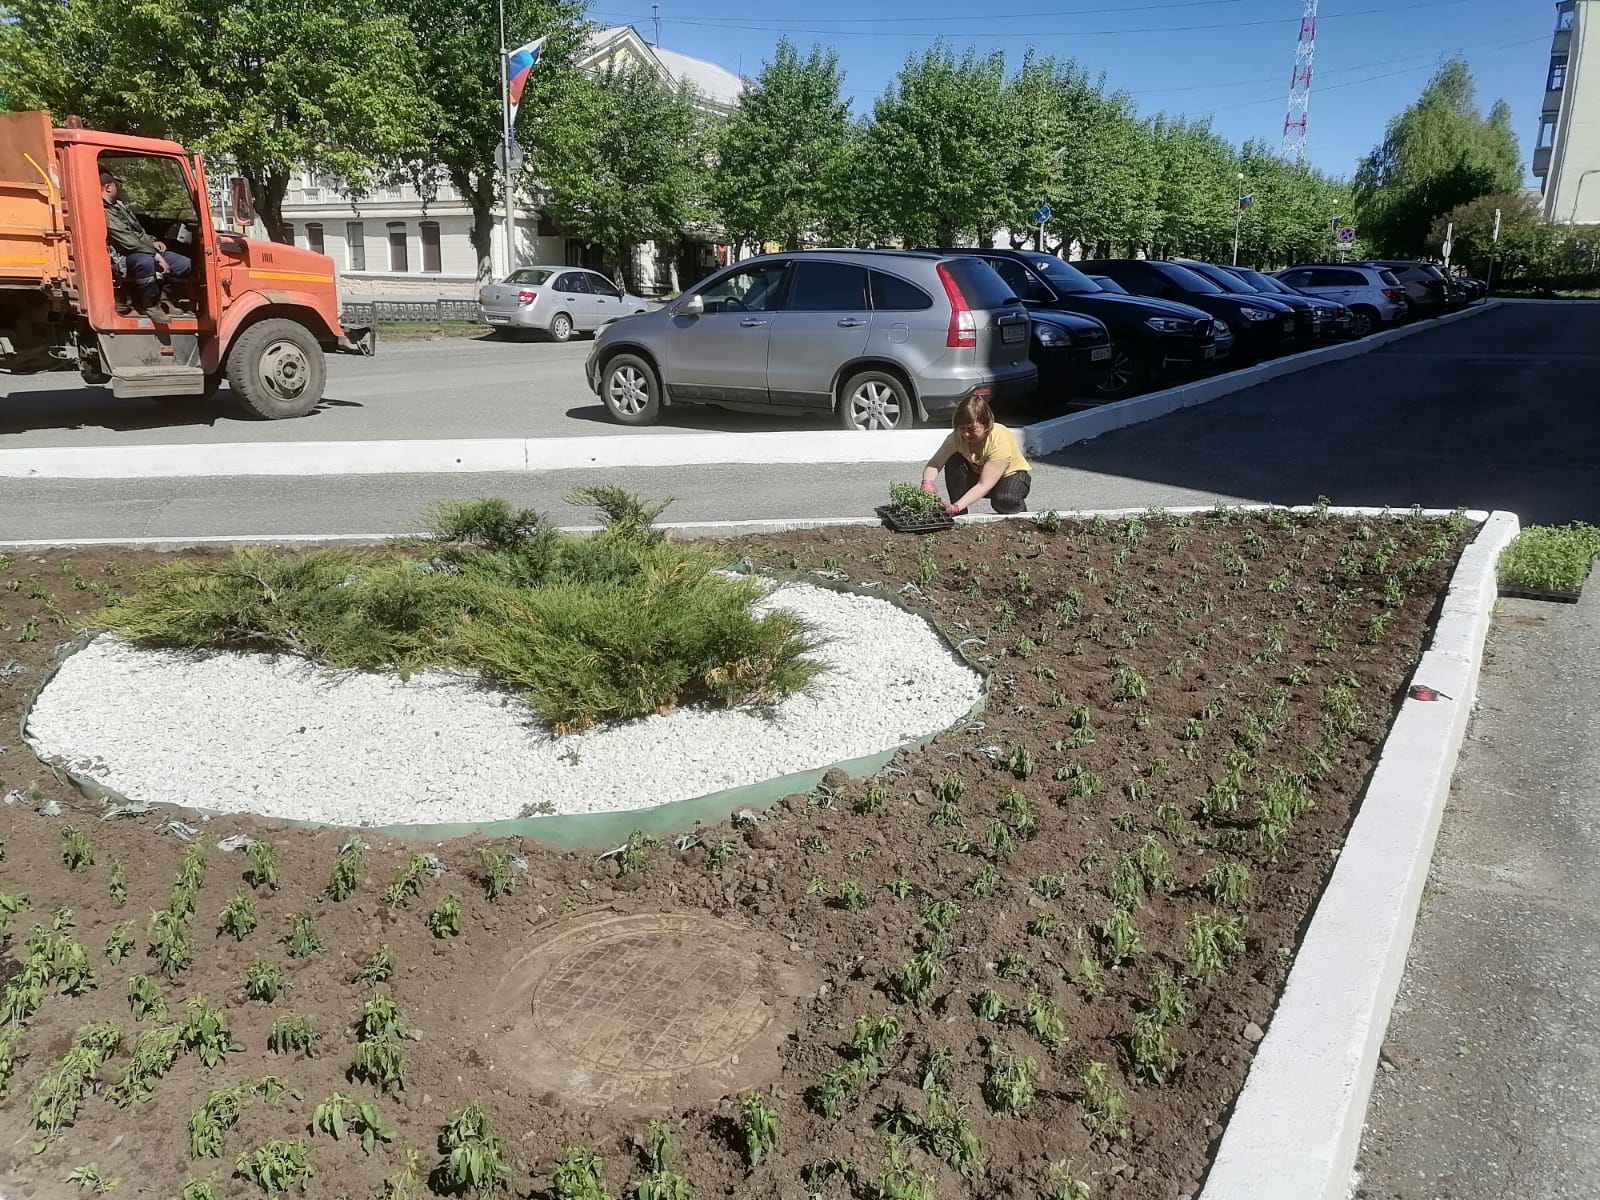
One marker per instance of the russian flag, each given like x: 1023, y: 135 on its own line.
x: 518, y: 64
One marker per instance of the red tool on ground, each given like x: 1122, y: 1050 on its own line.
x: 1421, y: 691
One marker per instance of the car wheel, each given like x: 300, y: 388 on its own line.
x: 1127, y: 376
x: 631, y: 390
x: 1362, y: 322
x: 875, y: 400
x: 276, y: 370
x: 560, y: 327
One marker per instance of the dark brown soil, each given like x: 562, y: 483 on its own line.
x: 1217, y: 608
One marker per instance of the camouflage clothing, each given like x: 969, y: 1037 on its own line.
x: 124, y: 233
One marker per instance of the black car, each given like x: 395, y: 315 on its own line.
x: 1264, y: 327
x: 1073, y: 354
x: 1336, y: 320
x: 1150, y: 338
x: 1307, y: 319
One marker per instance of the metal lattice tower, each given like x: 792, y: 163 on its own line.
x: 1298, y: 119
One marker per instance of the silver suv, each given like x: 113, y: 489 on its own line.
x: 879, y: 338
x: 1375, y: 298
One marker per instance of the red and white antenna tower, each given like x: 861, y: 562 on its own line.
x: 1298, y: 119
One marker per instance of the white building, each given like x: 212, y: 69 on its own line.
x: 1566, y: 156
x: 391, y: 245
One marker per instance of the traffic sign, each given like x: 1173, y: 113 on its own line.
x: 1347, y: 234
x: 1041, y: 215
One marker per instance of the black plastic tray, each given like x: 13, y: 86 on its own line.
x: 1527, y: 593
x: 900, y: 523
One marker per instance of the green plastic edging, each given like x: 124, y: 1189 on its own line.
x: 602, y: 830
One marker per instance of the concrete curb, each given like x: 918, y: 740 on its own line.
x: 511, y: 455
x: 1296, y: 1127
x: 1046, y: 437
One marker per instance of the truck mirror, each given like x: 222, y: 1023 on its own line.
x: 243, y: 203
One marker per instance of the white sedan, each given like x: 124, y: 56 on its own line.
x: 556, y: 301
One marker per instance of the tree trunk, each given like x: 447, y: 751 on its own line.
x: 268, y: 190
x: 479, y: 196
x: 947, y: 234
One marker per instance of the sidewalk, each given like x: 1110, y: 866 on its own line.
x: 1490, y: 1085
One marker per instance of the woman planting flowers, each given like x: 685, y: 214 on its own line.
x: 980, y: 459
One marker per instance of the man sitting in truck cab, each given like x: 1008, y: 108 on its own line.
x: 144, y: 255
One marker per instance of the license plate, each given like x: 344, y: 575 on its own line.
x: 497, y: 320
x: 1100, y: 354
x: 1209, y: 352
x: 1288, y: 324
x: 1014, y: 332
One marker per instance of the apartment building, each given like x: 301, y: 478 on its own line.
x: 1566, y: 155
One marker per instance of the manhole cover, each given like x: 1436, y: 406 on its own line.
x: 617, y: 1007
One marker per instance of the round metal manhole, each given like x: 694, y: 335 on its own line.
x: 616, y: 1007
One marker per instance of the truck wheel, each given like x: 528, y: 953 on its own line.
x: 276, y: 370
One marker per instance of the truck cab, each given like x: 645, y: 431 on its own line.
x: 259, y: 314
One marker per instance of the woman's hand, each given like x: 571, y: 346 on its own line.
x: 953, y: 509
x: 930, y: 486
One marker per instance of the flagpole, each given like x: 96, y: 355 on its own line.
x: 505, y: 147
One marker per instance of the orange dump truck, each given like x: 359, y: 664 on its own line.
x: 258, y: 314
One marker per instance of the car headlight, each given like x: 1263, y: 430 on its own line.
x: 1168, y: 324
x: 1255, y: 314
x: 1050, y: 335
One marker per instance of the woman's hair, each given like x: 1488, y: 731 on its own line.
x: 974, y: 410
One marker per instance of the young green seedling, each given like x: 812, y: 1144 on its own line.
x: 445, y: 919
x: 264, y: 982
x: 758, y: 1128
x: 76, y: 854
x: 239, y: 917
x: 293, y: 1032
x: 303, y: 941
x: 346, y: 873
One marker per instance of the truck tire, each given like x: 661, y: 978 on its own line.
x: 276, y: 370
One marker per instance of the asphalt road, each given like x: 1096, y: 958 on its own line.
x: 447, y: 388
x: 1490, y: 1085
x: 1495, y: 412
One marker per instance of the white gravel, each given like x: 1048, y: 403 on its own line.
x: 279, y: 736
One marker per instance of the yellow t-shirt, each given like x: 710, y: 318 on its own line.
x: 1001, y: 444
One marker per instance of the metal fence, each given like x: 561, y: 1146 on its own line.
x: 426, y: 312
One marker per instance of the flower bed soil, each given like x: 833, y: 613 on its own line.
x: 1250, y: 601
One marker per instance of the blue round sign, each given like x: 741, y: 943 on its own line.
x: 1041, y: 215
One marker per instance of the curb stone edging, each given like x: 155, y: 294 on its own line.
x: 1046, y: 437
x: 1297, y: 1124
x: 1296, y: 1127
x: 515, y: 455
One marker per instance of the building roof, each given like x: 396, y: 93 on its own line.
x: 716, y: 84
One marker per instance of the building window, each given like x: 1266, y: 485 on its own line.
x: 1547, y: 134
x: 314, y: 236
x: 547, y: 227
x: 397, y: 247
x: 430, y: 246
x: 355, y: 240
x: 288, y: 234
x: 1558, y: 76
x: 1564, y: 17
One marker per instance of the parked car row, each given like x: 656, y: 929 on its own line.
x: 883, y: 339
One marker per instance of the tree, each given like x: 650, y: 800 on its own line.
x: 271, y: 87
x: 780, y: 153
x: 460, y: 68
x: 941, y: 148
x: 1436, y: 154
x: 623, y: 164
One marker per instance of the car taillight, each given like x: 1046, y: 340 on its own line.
x: 963, y: 326
x: 527, y: 297
x: 1393, y: 293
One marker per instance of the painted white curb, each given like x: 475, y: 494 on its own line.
x: 1296, y: 1127
x: 1046, y: 437
x: 752, y: 527
x: 507, y: 455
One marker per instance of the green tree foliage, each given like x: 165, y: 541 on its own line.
x: 942, y: 150
x: 272, y: 88
x: 1438, y: 153
x: 459, y: 67
x: 626, y: 165
x: 781, y: 155
x: 1529, y: 250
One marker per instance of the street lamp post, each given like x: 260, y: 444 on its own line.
x: 1238, y: 216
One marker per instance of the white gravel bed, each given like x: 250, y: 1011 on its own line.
x: 279, y: 736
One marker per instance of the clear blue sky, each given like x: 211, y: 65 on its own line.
x: 1227, y: 59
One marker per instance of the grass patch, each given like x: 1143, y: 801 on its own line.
x: 1554, y: 558
x: 423, y: 331
x: 587, y: 629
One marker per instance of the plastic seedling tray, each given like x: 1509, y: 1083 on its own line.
x: 903, y: 522
x: 1530, y: 593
